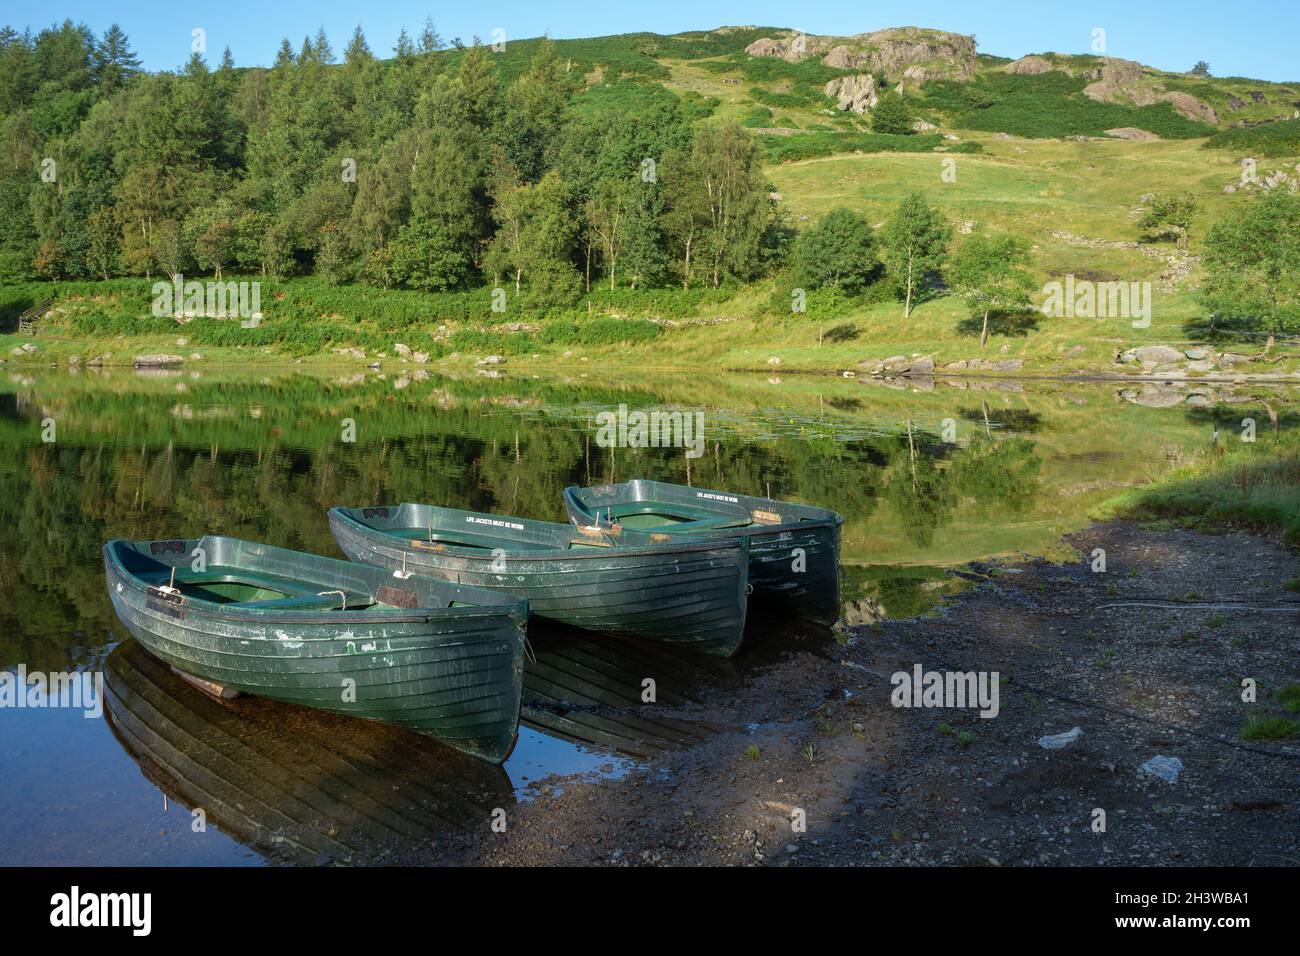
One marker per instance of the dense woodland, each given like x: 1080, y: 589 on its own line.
x: 418, y: 170
x: 548, y: 175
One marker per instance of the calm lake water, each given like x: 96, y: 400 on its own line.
x: 927, y: 477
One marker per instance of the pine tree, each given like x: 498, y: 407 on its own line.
x: 324, y: 52
x: 357, y: 50
x: 404, y: 48
x: 479, y: 82
x: 430, y: 41
x: 284, y: 56
x: 115, y: 62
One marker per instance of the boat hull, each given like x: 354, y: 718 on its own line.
x: 691, y: 596
x: 794, y: 550
x: 453, y: 673
x: 812, y: 593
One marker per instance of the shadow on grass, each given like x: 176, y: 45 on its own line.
x: 11, y: 309
x: 1014, y: 323
x: 841, y: 333
x: 1246, y: 334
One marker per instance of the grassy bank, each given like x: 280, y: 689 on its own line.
x: 1072, y: 200
x: 1230, y: 484
x: 739, y: 328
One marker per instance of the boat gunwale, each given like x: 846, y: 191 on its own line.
x: 516, y: 608
x: 674, y: 545
x: 579, y: 509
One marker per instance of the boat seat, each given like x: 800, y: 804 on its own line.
x: 293, y: 594
x: 638, y: 516
x: 307, y: 601
x: 470, y: 539
x: 220, y: 574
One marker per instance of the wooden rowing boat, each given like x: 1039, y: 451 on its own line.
x: 687, y: 593
x: 437, y: 658
x: 794, y: 549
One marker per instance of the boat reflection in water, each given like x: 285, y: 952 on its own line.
x: 305, y: 786
x: 295, y: 784
x: 592, y: 690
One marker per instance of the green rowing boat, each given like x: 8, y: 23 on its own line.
x: 437, y: 658
x: 794, y: 550
x: 689, y: 593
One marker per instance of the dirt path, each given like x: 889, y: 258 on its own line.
x: 1140, y: 658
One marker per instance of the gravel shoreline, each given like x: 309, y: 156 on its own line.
x: 1146, y: 659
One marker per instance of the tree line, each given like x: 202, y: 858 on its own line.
x: 420, y: 171
x: 430, y: 170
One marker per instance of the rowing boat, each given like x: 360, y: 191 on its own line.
x: 794, y: 550
x: 437, y: 658
x: 687, y: 593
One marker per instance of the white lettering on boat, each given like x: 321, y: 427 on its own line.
x: 494, y: 522
x: 713, y: 497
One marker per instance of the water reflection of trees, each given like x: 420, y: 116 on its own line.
x: 927, y: 481
x: 124, y: 467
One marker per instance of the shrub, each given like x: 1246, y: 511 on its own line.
x: 1049, y: 105
x: 840, y: 249
x: 891, y: 116
x: 1270, y: 139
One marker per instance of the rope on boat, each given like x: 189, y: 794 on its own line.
x: 342, y: 596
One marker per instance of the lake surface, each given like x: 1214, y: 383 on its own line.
x: 927, y: 476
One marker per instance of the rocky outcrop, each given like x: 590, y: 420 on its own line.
x: 855, y: 94
x: 918, y: 366
x: 1172, y: 363
x: 1266, y: 181
x: 1131, y: 132
x: 1192, y: 108
x: 985, y: 365
x: 157, y: 360
x: 1029, y: 66
x: 769, y: 47
x: 1121, y: 81
x: 891, y: 51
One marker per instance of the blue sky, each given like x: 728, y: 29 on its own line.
x: 1255, y: 39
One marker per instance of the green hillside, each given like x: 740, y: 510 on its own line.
x: 608, y: 193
